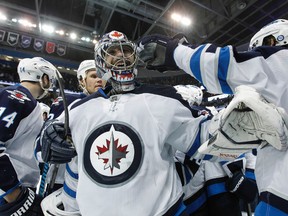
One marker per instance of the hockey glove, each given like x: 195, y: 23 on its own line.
x: 56, y: 149
x: 27, y: 204
x: 233, y: 166
x: 242, y: 186
x: 157, y: 51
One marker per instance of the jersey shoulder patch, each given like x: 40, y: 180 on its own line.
x: 18, y: 96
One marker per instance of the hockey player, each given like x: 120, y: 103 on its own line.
x: 21, y: 121
x: 125, y: 150
x: 89, y: 83
x: 221, y: 70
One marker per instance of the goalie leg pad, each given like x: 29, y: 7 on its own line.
x: 52, y: 204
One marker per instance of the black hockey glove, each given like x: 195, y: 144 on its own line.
x: 241, y: 186
x: 27, y: 204
x: 56, y: 148
x: 156, y: 51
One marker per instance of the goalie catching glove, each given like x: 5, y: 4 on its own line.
x: 247, y: 123
x: 56, y: 149
x: 156, y: 51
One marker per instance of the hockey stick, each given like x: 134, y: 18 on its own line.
x: 43, y: 180
x: 66, y: 125
x: 42, y: 192
x: 248, y: 209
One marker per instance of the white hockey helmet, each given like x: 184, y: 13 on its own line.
x: 83, y: 67
x: 33, y: 69
x: 120, y: 74
x: 278, y: 29
x: 190, y: 93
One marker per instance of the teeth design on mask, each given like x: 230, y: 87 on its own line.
x: 123, y: 77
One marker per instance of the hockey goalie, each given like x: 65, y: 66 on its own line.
x: 248, y: 122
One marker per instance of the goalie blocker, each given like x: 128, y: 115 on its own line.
x: 247, y: 123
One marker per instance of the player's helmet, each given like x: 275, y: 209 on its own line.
x: 33, y: 69
x: 190, y: 93
x: 278, y: 29
x: 83, y: 67
x: 82, y: 73
x: 122, y: 71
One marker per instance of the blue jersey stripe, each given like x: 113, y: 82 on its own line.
x: 69, y: 191
x: 71, y: 173
x: 195, y: 145
x: 195, y: 63
x: 223, y: 64
x: 195, y: 205
x: 216, y: 189
x: 197, y: 141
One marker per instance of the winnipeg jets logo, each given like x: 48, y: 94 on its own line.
x: 113, y: 153
x: 18, y: 95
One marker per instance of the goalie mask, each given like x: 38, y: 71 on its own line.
x: 115, y: 58
x: 190, y: 93
x: 33, y: 70
x: 276, y: 31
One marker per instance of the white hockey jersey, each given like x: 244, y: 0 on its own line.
x: 125, y: 146
x: 20, y: 123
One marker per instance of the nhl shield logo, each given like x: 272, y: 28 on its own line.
x: 38, y: 44
x: 26, y: 41
x: 12, y: 38
x: 61, y: 49
x: 113, y: 154
x: 50, y: 47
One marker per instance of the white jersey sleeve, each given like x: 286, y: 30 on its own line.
x: 221, y: 70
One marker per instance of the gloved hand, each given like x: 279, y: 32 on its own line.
x: 157, y: 51
x: 242, y: 186
x: 56, y: 148
x: 26, y: 204
x: 238, y: 183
